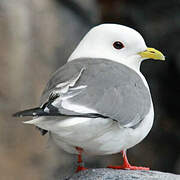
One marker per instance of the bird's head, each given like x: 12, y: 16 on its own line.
x: 117, y: 43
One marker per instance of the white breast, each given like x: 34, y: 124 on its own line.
x: 100, y: 136
x: 97, y: 135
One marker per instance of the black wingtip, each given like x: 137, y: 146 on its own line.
x: 30, y: 112
x: 17, y: 114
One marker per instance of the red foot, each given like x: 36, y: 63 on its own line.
x: 80, y: 168
x: 129, y: 167
x: 80, y: 162
x: 126, y: 164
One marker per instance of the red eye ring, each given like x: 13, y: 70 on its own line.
x: 118, y: 45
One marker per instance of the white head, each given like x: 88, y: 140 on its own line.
x: 117, y: 43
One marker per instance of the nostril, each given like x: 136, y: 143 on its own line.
x: 152, y: 51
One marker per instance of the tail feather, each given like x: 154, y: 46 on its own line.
x: 34, y: 121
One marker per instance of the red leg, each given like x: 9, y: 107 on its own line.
x: 126, y: 164
x: 80, y: 162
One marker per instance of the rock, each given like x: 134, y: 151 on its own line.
x: 111, y: 174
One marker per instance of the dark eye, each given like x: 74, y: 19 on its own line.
x: 118, y: 45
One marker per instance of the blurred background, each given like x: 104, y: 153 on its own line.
x: 37, y: 37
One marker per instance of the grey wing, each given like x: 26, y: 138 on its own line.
x: 102, y: 87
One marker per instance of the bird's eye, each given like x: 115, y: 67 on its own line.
x: 118, y: 45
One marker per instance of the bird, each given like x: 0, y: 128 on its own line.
x: 99, y: 102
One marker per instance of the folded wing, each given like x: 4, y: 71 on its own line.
x: 97, y: 87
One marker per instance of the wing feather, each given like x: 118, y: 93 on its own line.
x: 100, y: 86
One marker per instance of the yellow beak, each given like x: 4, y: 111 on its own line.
x: 151, y: 53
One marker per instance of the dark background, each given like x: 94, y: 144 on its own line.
x: 37, y: 37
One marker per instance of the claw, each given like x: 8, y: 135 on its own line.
x: 80, y: 168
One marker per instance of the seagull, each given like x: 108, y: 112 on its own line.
x: 99, y: 102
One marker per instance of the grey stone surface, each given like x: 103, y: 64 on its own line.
x: 110, y: 174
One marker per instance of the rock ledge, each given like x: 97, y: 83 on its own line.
x: 110, y: 174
